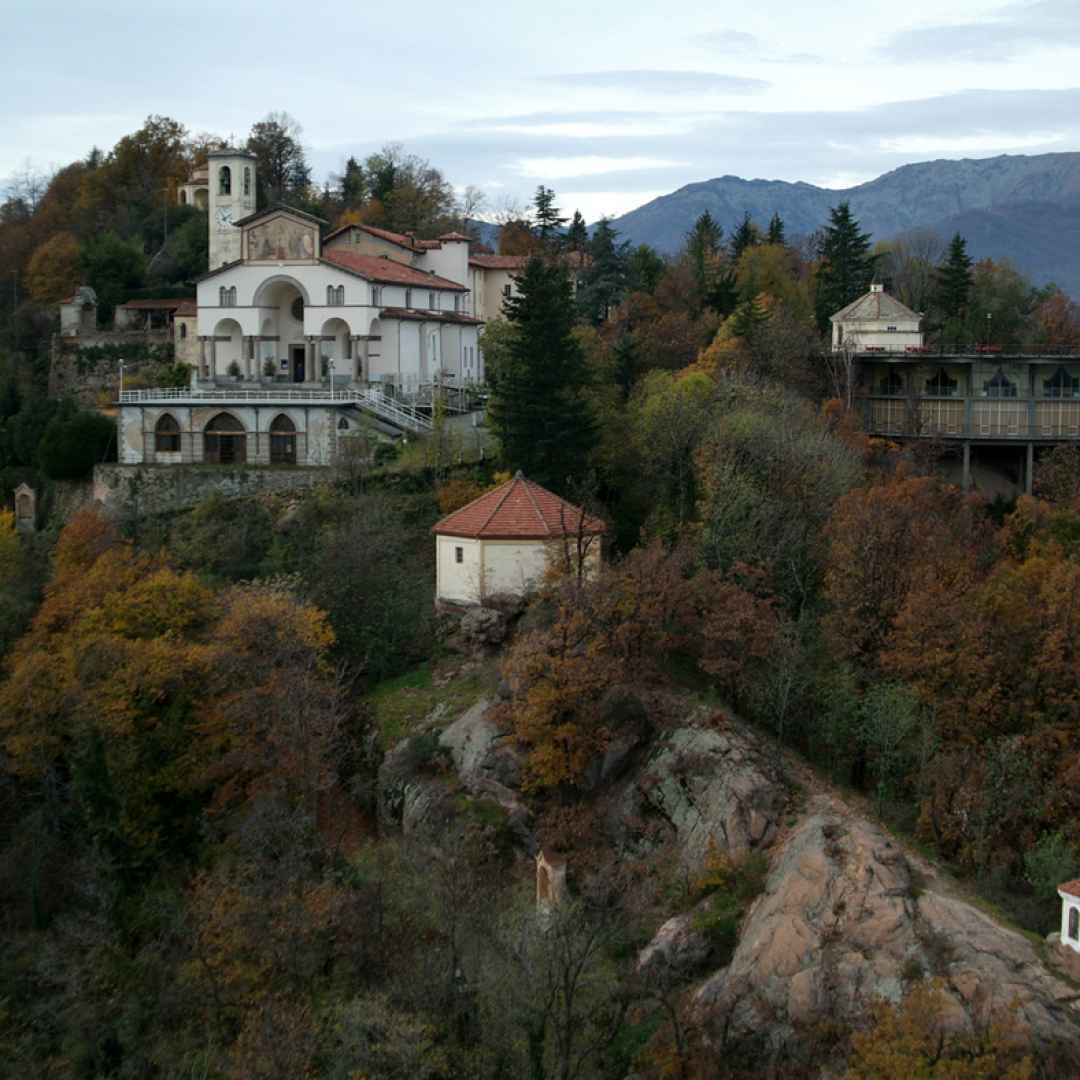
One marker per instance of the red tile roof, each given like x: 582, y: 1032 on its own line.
x: 377, y: 268
x: 402, y: 240
x: 428, y: 245
x: 517, y: 510
x: 1071, y: 887
x: 456, y: 236
x: 417, y: 315
x: 155, y: 305
x: 187, y: 307
x: 499, y: 262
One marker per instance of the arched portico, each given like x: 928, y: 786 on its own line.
x: 228, y: 345
x: 336, y: 344
x: 282, y: 302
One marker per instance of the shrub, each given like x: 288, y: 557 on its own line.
x: 71, y: 446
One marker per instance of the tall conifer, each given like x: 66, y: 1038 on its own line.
x: 542, y: 421
x: 953, y: 280
x: 847, y: 267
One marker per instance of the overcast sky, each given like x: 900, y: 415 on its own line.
x: 608, y: 105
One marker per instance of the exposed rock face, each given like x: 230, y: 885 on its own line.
x: 421, y: 779
x: 483, y: 628
x: 844, y: 920
x: 713, y: 785
x: 680, y: 948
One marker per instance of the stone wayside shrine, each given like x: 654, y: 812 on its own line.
x: 500, y: 542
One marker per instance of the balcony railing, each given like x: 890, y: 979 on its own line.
x: 972, y: 418
x: 968, y: 349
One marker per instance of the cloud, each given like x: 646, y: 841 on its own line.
x: 729, y: 41
x: 650, y: 80
x: 1004, y: 34
x: 586, y: 125
x: 556, y: 168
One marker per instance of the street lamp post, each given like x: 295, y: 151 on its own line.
x: 121, y: 363
x: 330, y: 372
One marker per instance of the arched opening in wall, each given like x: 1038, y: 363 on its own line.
x: 201, y: 199
x: 228, y: 348
x: 1074, y: 923
x: 282, y: 441
x: 225, y: 181
x: 183, y: 197
x: 336, y: 346
x: 183, y: 331
x: 282, y: 300
x: 224, y: 441
x: 167, y: 435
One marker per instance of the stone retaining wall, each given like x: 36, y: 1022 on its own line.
x: 155, y: 489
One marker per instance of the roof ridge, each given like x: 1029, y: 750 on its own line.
x: 535, y: 505
x: 498, y: 505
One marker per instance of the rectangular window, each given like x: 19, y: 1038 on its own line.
x: 432, y: 303
x: 457, y: 302
x: 506, y: 290
x: 376, y: 295
x: 459, y: 555
x: 408, y: 298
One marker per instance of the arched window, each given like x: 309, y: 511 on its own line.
x: 232, y: 296
x: 330, y: 295
x: 183, y: 330
x: 282, y: 441
x: 999, y: 386
x: 343, y: 424
x: 297, y: 309
x: 224, y: 441
x: 340, y: 295
x: 892, y: 384
x: 1061, y: 384
x: 247, y: 180
x: 1074, y: 923
x: 167, y: 435
x: 941, y: 385
x: 225, y: 181
x: 376, y: 295
x: 223, y: 296
x: 408, y: 298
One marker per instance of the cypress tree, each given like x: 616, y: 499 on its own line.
x: 847, y: 267
x: 543, y: 423
x: 776, y: 231
x: 953, y: 280
x: 746, y: 235
x: 603, y: 280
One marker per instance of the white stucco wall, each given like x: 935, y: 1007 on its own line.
x: 451, y: 260
x: 1068, y: 903
x: 876, y: 334
x: 457, y: 582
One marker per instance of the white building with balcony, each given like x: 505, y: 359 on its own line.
x: 296, y: 334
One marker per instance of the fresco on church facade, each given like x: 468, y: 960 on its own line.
x: 280, y: 239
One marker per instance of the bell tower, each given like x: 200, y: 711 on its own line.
x: 232, y: 197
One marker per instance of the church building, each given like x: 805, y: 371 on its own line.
x: 295, y: 333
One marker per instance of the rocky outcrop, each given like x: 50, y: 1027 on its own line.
x: 427, y: 782
x: 678, y: 950
x: 712, y: 786
x: 845, y: 920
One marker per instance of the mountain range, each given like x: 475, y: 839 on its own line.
x: 1022, y: 207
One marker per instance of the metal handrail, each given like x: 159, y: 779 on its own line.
x: 972, y: 349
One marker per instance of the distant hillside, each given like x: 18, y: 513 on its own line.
x: 1023, y: 208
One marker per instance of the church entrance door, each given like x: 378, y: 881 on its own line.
x: 298, y: 363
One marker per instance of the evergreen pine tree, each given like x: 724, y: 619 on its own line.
x: 776, y: 231
x: 549, y: 222
x: 577, y: 236
x: 354, y: 187
x: 703, y: 252
x: 746, y: 235
x: 953, y: 280
x: 747, y: 317
x: 625, y: 361
x: 603, y: 280
x: 847, y: 267
x: 543, y: 423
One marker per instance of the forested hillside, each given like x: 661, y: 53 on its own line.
x: 265, y: 813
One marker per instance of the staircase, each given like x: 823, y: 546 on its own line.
x: 393, y: 412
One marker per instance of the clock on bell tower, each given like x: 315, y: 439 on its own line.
x: 232, y: 197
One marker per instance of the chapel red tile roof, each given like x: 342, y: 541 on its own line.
x: 1071, y: 887
x: 456, y: 236
x: 377, y: 268
x: 499, y: 262
x: 517, y: 510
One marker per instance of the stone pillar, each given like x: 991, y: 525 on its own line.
x: 203, y: 370
x: 966, y: 481
x: 310, y: 375
x: 213, y: 358
x: 245, y: 348
x: 1029, y: 470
